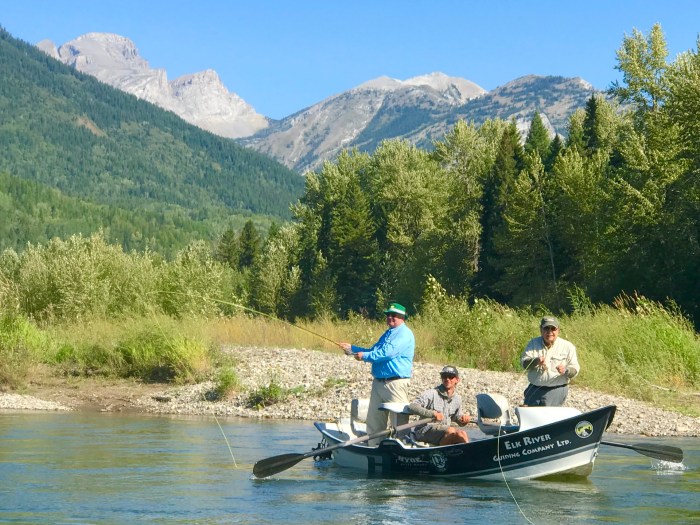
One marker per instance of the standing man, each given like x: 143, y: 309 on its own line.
x: 392, y: 364
x: 444, y: 405
x: 551, y: 363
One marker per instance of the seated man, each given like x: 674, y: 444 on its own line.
x: 444, y: 405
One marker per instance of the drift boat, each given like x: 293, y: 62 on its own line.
x: 527, y: 443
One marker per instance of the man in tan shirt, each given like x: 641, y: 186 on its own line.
x: 551, y: 363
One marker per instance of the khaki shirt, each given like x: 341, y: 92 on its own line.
x: 561, y: 352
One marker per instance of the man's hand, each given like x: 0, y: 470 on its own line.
x: 358, y: 356
x: 437, y: 416
x: 464, y: 419
x: 541, y: 364
x: 347, y: 348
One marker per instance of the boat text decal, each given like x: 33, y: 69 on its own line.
x: 529, y: 445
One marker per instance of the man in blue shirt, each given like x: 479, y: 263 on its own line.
x: 392, y: 365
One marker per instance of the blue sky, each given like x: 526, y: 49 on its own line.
x: 282, y: 56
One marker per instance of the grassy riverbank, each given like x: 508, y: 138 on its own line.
x: 636, y: 349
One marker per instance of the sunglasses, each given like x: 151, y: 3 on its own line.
x: 447, y: 376
x: 550, y: 329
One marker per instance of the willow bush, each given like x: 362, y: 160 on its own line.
x: 77, y: 278
x: 85, y: 278
x: 483, y: 335
x: 147, y: 350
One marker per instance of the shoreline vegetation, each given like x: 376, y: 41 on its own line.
x: 251, y: 366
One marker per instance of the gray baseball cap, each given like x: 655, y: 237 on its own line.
x: 549, y: 321
x: 449, y: 370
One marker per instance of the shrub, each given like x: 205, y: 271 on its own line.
x: 226, y: 383
x: 154, y: 356
x: 21, y: 346
x: 267, y: 395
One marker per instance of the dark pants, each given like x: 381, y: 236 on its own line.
x: 546, y: 396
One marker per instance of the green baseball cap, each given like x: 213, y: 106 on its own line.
x: 396, y: 308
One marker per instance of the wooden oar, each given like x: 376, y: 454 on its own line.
x: 663, y: 452
x: 270, y: 466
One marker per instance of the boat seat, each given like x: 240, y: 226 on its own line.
x: 494, y: 415
x: 358, y: 416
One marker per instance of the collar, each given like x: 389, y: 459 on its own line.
x: 443, y: 392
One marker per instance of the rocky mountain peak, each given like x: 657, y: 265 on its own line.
x: 48, y: 47
x: 462, y: 88
x: 199, y: 98
x: 102, y: 50
x: 453, y: 89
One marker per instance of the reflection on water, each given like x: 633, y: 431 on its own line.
x: 107, y: 468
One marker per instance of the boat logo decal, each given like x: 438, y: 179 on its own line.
x: 439, y: 460
x: 584, y: 429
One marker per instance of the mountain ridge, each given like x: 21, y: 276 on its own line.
x: 420, y: 109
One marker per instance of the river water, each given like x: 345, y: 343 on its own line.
x: 102, y: 468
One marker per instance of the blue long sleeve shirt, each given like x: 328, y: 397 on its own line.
x: 392, y: 355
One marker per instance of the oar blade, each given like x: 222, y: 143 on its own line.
x: 270, y: 466
x: 662, y: 452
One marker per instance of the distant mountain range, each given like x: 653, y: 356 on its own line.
x: 420, y: 110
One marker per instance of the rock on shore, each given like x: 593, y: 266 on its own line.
x: 323, y: 384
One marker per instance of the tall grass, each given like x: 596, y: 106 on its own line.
x: 634, y: 348
x: 637, y: 348
x: 21, y: 346
x: 149, y: 349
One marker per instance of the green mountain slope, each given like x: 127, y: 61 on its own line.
x: 69, y: 131
x: 33, y: 212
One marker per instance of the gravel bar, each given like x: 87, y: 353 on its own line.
x: 323, y: 383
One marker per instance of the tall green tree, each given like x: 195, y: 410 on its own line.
x: 325, y: 192
x: 555, y: 148
x: 642, y: 61
x: 354, y: 251
x: 275, y: 276
x: 249, y: 245
x: 645, y: 165
x: 681, y: 223
x: 467, y: 155
x: 408, y: 192
x: 537, y: 140
x: 498, y: 184
x: 527, y: 259
x: 227, y: 249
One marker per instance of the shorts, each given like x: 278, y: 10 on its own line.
x: 431, y: 433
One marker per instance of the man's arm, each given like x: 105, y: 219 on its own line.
x: 420, y: 410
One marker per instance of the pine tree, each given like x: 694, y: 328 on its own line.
x: 537, y: 139
x: 526, y: 253
x: 354, y: 248
x: 249, y: 245
x: 497, y: 185
x: 227, y: 249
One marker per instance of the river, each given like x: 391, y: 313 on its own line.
x: 106, y: 468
